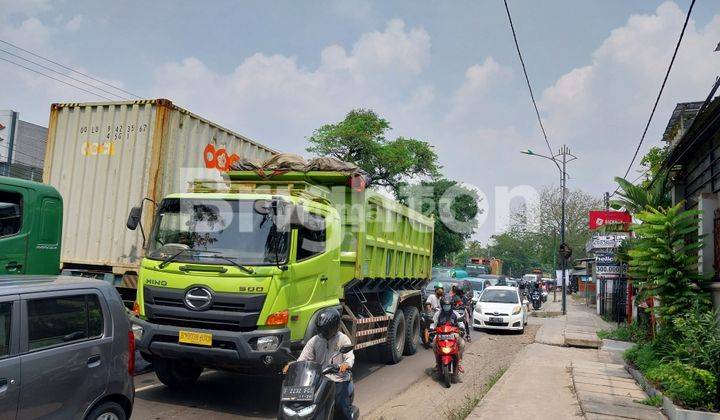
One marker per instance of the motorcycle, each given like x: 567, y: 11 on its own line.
x: 447, y: 353
x: 536, y: 299
x: 307, y: 393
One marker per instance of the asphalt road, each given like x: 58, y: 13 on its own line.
x: 221, y: 395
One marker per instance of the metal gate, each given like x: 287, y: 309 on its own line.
x: 619, y: 302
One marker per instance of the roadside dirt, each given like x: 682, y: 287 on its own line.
x: 484, y: 357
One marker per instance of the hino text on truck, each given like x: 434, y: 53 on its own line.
x: 236, y: 270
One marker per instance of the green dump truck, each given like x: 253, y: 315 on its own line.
x: 235, y: 272
x: 30, y: 227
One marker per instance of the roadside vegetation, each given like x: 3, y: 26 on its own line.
x: 678, y: 351
x: 472, y: 400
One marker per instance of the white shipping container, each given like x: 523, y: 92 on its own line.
x: 106, y: 157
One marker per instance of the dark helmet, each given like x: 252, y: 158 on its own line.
x: 446, y: 304
x: 328, y: 323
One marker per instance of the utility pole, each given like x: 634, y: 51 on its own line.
x: 561, y: 159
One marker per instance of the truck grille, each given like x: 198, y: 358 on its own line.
x: 229, y: 311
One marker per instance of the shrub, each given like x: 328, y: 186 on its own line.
x: 643, y: 356
x: 690, y: 386
x: 634, y: 333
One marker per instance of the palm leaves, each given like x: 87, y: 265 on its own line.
x: 664, y: 259
x: 636, y: 198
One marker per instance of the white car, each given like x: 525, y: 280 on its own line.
x: 500, y: 308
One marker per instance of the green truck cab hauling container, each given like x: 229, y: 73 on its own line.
x: 30, y: 227
x: 235, y: 272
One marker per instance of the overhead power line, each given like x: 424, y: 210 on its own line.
x: 69, y: 68
x: 54, y: 78
x: 62, y: 74
x: 527, y: 80
x: 662, y: 87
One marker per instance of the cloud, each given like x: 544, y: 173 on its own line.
x: 600, y: 109
x: 280, y: 102
x: 74, y: 23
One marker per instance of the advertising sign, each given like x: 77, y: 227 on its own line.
x: 600, y: 242
x: 606, y: 266
x: 598, y: 218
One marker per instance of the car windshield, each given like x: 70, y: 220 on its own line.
x: 499, y: 296
x: 476, y: 284
x: 215, y: 230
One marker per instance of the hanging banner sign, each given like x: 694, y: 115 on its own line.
x: 598, y: 218
x: 600, y: 242
x: 607, y: 266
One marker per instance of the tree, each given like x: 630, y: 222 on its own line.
x: 448, y: 239
x: 653, y: 160
x: 637, y: 198
x: 360, y: 139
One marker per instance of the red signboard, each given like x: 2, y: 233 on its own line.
x: 603, y: 217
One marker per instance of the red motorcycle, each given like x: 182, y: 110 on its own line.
x: 447, y: 353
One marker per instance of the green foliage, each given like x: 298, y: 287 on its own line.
x: 698, y: 340
x: 653, y: 400
x: 634, y: 333
x: 654, y: 159
x: 360, y: 139
x: 664, y: 260
x: 690, y: 386
x: 464, y: 209
x: 637, y: 198
x: 643, y: 356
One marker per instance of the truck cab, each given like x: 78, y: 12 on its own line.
x: 30, y: 227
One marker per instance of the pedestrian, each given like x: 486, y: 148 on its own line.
x: 465, y: 293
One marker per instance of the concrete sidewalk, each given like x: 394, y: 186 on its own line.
x: 540, y: 383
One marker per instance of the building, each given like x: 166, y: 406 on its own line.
x: 22, y: 147
x: 694, y: 164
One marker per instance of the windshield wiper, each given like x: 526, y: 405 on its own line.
x: 212, y: 254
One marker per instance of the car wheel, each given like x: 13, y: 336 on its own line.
x: 176, y: 373
x: 394, y: 348
x: 412, y: 327
x: 108, y: 410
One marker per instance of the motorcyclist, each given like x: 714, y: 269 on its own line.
x: 447, y: 315
x: 432, y: 303
x: 321, y: 348
x: 465, y: 295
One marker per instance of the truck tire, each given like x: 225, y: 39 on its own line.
x: 392, y: 350
x: 176, y: 374
x: 412, y: 330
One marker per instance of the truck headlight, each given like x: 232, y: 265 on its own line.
x: 137, y: 331
x: 269, y: 343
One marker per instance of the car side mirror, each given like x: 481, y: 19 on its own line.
x: 134, y: 218
x: 346, y: 349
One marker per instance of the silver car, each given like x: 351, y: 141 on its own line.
x: 66, y: 349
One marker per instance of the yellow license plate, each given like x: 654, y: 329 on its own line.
x: 190, y: 337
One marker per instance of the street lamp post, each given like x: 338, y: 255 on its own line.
x: 561, y: 159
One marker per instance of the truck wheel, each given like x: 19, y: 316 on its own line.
x: 412, y: 330
x: 395, y: 345
x: 176, y: 373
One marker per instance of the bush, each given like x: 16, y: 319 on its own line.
x: 643, y: 356
x: 685, y: 384
x: 634, y: 333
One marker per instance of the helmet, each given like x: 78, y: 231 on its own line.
x: 328, y: 323
x: 439, y: 285
x: 446, y: 304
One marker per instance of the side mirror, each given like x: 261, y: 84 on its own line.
x: 346, y: 349
x: 134, y: 218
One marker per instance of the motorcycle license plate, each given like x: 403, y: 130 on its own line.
x: 492, y: 319
x: 445, y: 337
x: 297, y: 393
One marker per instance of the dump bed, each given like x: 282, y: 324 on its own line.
x: 382, y: 238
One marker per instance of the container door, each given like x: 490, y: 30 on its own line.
x: 67, y: 351
x: 14, y: 228
x: 9, y: 359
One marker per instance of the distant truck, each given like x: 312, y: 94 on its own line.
x: 235, y: 273
x: 478, y: 266
x: 105, y: 157
x: 30, y: 227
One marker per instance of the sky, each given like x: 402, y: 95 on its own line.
x: 443, y: 71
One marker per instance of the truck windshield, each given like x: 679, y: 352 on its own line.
x: 217, y: 230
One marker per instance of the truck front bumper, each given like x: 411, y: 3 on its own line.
x: 230, y: 350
